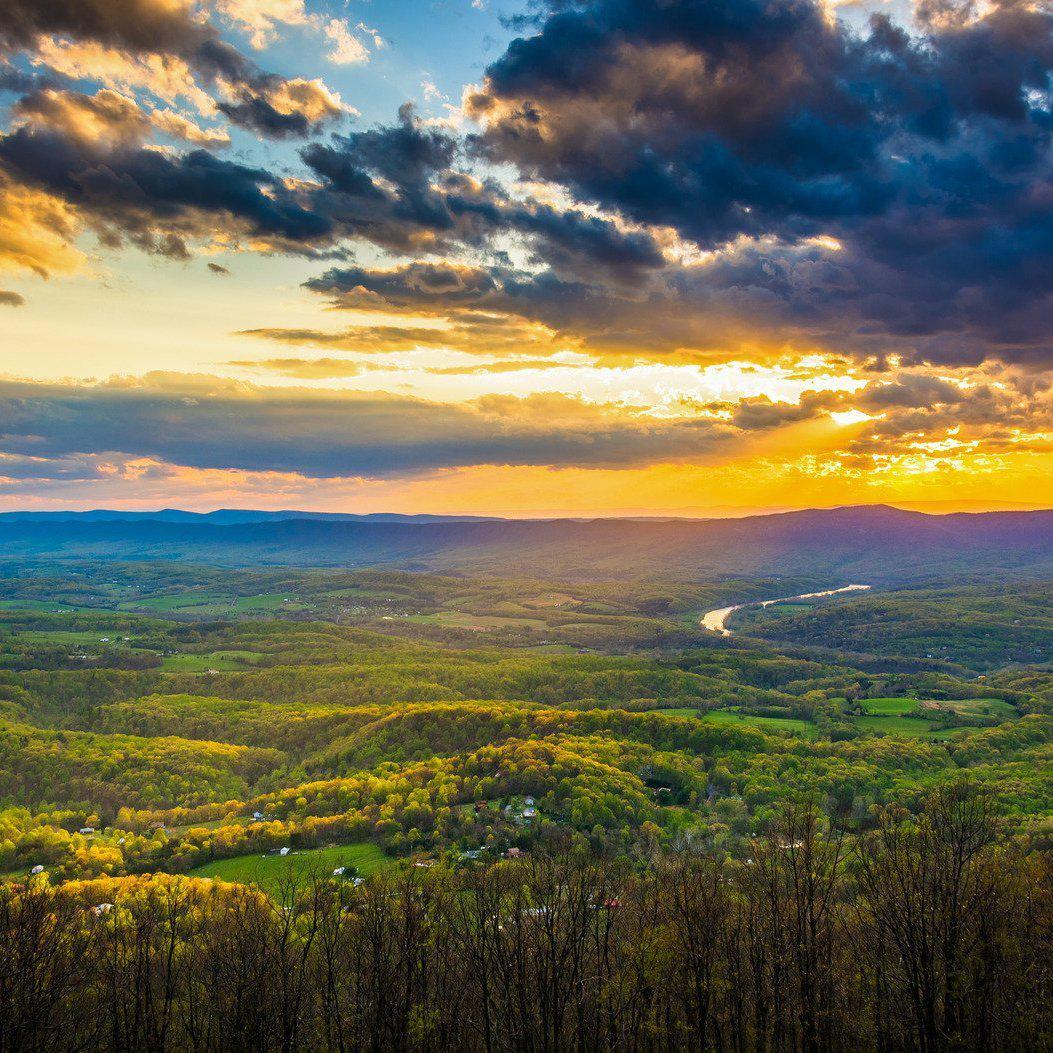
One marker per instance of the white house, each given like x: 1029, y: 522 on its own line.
x: 38, y: 869
x: 283, y: 851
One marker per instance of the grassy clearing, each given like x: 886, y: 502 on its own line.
x: 906, y: 727
x: 47, y: 606
x: 267, y: 872
x: 889, y: 714
x: 269, y: 602
x: 791, y: 724
x: 889, y: 707
x: 72, y: 636
x: 201, y: 663
x: 982, y: 707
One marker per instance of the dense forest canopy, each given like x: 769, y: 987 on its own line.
x: 295, y: 761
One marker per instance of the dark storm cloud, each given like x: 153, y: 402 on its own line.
x: 133, y: 190
x: 758, y: 414
x: 256, y: 113
x: 134, y: 25
x: 18, y: 82
x: 140, y: 27
x: 719, y: 117
x: 728, y: 117
x: 927, y: 158
x: 609, y: 316
x: 878, y: 194
x: 909, y: 391
x: 131, y: 26
x: 453, y: 287
x: 217, y: 426
x: 392, y: 186
x: 277, y: 108
x: 426, y: 285
x: 399, y: 187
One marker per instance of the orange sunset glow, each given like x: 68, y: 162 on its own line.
x: 286, y: 283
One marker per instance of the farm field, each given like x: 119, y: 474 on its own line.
x: 268, y: 872
x: 787, y: 724
x: 221, y: 661
x: 908, y: 727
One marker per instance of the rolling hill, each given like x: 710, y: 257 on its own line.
x: 868, y: 543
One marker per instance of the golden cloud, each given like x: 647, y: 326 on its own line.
x: 36, y: 232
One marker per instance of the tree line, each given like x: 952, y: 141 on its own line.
x: 929, y: 933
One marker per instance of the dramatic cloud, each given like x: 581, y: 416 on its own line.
x: 11, y: 299
x: 204, y: 423
x: 636, y: 195
x: 399, y: 187
x: 155, y: 199
x: 721, y: 171
x: 926, y: 159
x: 36, y: 231
x: 164, y: 45
x: 473, y: 332
x: 280, y: 109
x: 209, y: 424
x: 133, y: 25
x: 107, y: 116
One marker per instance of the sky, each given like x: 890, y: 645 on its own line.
x: 526, y: 257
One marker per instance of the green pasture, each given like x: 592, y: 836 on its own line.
x: 269, y: 871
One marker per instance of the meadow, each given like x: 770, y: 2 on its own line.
x: 272, y: 871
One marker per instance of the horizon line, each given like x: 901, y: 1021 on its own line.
x: 933, y: 509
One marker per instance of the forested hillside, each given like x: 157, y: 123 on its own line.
x: 872, y: 543
x: 285, y: 761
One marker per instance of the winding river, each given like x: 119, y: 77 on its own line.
x: 715, y: 620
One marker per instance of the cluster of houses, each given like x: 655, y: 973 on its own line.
x: 343, y: 872
x: 524, y: 815
x: 472, y: 855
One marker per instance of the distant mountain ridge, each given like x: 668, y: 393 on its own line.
x: 226, y: 516
x: 861, y: 543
